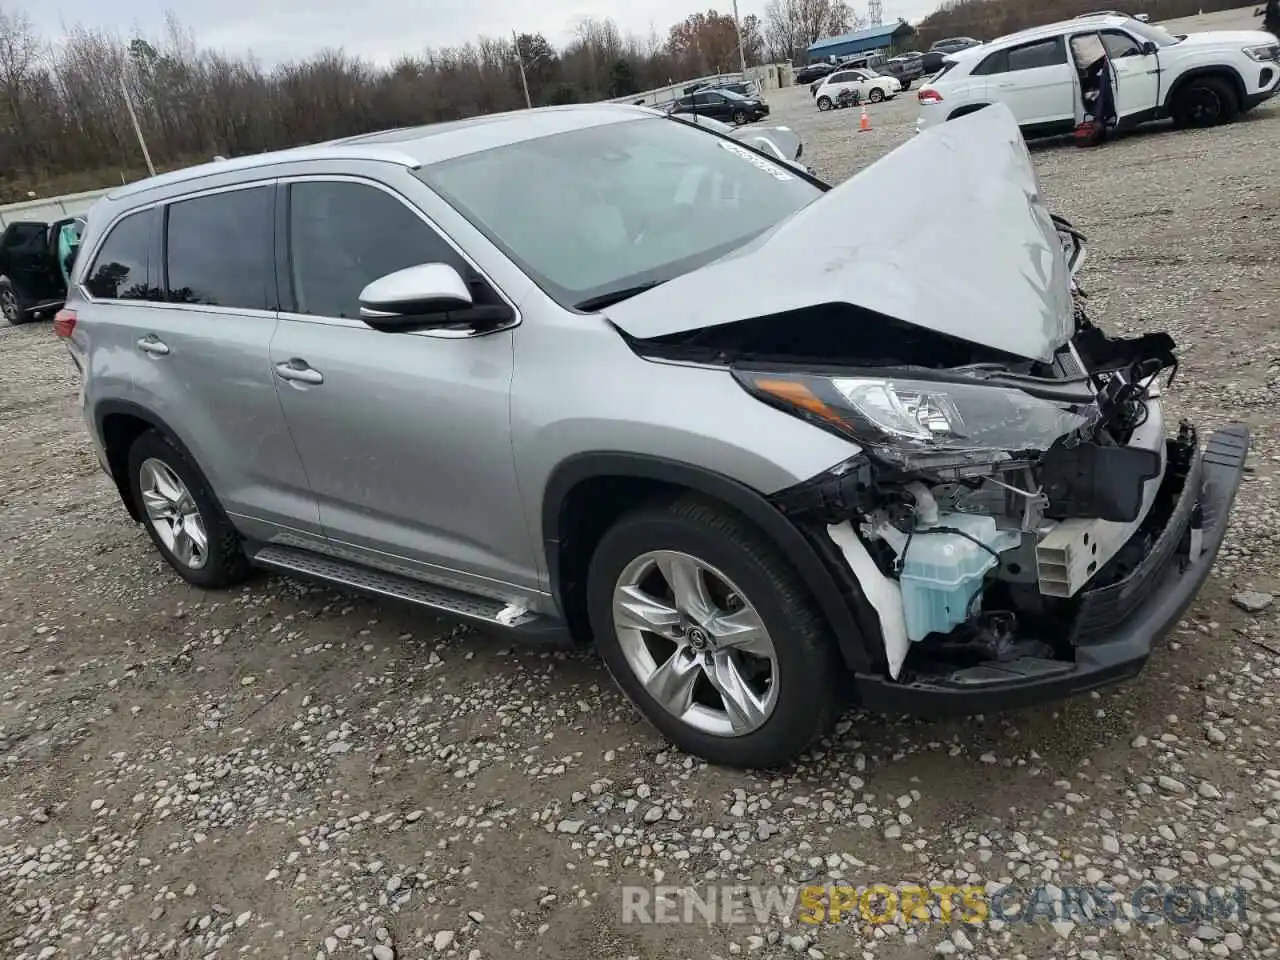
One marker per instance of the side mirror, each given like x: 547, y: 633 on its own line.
x: 420, y: 296
x: 1149, y: 47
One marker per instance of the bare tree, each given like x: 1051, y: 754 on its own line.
x: 791, y: 25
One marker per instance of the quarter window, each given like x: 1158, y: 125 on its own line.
x: 218, y: 249
x: 122, y: 267
x: 344, y: 235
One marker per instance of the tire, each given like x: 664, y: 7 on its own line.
x: 796, y: 688
x: 824, y: 103
x: 906, y: 85
x: 739, y: 117
x: 12, y: 306
x: 222, y: 562
x: 876, y: 95
x: 1205, y: 102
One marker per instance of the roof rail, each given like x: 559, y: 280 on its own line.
x: 335, y: 151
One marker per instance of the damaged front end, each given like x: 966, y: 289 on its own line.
x: 1020, y: 530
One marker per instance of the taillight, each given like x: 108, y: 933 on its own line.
x: 927, y: 96
x: 64, y: 322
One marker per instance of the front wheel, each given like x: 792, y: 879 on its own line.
x: 1205, y: 102
x: 824, y: 103
x: 10, y: 304
x: 712, y: 635
x: 876, y: 95
x: 739, y: 117
x: 181, y: 515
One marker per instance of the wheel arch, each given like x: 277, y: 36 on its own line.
x: 119, y: 423
x: 588, y: 491
x: 1219, y: 70
x: 966, y: 109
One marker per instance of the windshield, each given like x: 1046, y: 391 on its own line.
x: 1157, y: 35
x: 591, y: 212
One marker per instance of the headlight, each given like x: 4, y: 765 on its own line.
x: 1269, y: 51
x: 919, y: 421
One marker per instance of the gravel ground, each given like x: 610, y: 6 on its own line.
x: 287, y: 771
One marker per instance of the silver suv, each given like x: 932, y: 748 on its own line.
x: 590, y: 373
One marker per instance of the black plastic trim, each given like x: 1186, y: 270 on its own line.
x: 1102, y: 661
x: 105, y: 408
x: 1215, y: 70
x: 848, y: 628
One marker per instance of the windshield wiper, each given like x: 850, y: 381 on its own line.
x: 602, y: 300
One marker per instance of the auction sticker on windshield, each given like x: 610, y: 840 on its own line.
x: 760, y: 163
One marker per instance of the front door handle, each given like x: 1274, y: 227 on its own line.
x: 153, y: 345
x: 299, y: 371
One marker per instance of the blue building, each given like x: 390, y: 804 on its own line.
x: 860, y: 41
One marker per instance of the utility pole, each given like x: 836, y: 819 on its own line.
x: 137, y: 127
x: 524, y: 81
x: 742, y: 52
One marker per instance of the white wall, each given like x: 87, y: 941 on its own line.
x: 49, y: 209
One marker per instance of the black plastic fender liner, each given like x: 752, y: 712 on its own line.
x: 851, y: 618
x: 107, y: 408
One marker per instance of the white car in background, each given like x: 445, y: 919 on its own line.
x: 871, y: 86
x: 1198, y: 79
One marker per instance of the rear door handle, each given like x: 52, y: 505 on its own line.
x: 153, y: 345
x: 299, y: 371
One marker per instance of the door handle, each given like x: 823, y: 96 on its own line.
x: 153, y: 345
x: 299, y: 371
x: 1004, y: 85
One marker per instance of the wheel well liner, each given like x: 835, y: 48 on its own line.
x: 588, y: 491
x: 967, y: 109
x: 119, y: 423
x: 1230, y: 74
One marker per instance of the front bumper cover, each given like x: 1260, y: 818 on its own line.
x: 1116, y: 625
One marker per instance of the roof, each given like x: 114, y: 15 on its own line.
x: 413, y: 147
x: 1061, y: 26
x: 883, y: 32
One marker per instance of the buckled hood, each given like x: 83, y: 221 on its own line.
x: 947, y: 232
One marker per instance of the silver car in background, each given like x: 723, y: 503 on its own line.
x: 594, y: 374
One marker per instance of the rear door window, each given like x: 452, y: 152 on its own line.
x: 1042, y: 53
x: 122, y: 268
x: 219, y: 249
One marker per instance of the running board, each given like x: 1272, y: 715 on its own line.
x: 534, y: 627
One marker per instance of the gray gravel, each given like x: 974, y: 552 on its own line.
x: 286, y: 771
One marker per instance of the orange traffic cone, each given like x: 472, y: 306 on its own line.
x: 864, y: 125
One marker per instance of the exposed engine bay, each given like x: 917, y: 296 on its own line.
x: 992, y: 491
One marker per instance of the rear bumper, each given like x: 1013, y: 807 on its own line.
x: 1116, y: 625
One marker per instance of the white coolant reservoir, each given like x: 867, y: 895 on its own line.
x: 942, y: 571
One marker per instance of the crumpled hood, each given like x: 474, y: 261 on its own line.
x: 946, y: 232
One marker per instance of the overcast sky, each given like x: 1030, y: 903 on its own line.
x: 277, y: 30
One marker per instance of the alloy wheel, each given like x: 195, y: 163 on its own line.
x: 173, y: 514
x: 1205, y: 106
x: 9, y: 305
x: 696, y: 643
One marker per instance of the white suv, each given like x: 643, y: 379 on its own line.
x: 870, y: 85
x: 1199, y: 79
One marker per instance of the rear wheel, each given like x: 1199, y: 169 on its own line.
x: 876, y: 95
x: 824, y: 103
x: 1205, y: 102
x: 183, y: 519
x: 11, y: 305
x: 710, y: 632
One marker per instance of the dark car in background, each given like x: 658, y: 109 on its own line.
x: 954, y: 45
x: 35, y: 261
x: 906, y: 68
x: 722, y: 104
x: 814, y: 71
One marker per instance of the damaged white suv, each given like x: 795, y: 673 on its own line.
x: 586, y: 373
